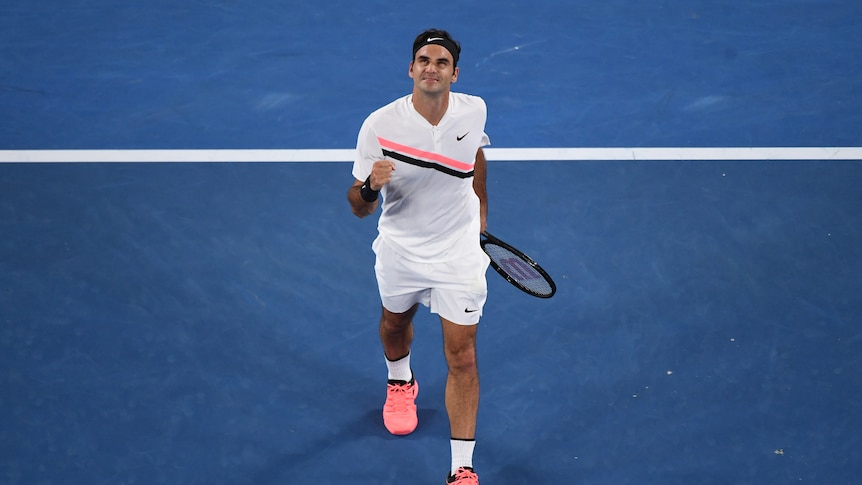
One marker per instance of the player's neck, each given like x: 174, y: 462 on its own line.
x: 432, y: 107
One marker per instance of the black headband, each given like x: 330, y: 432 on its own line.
x: 448, y: 44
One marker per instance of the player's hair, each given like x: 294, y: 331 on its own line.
x: 439, y: 37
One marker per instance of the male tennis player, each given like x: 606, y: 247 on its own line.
x: 423, y: 154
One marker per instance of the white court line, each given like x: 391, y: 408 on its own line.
x: 493, y: 154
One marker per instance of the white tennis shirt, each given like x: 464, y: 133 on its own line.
x: 430, y: 212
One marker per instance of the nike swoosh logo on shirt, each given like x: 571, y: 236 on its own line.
x: 459, y: 138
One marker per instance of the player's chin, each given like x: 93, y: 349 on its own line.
x: 434, y: 86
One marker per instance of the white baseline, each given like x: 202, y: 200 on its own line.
x: 493, y: 154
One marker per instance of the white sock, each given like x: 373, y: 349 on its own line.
x: 462, y: 453
x: 399, y: 370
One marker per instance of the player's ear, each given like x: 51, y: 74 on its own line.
x: 410, y: 70
x: 454, y: 75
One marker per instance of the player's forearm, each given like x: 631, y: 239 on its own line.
x: 361, y: 208
x: 480, y: 175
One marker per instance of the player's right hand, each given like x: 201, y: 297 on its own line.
x: 381, y: 174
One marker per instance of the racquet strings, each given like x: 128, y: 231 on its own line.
x: 518, y: 269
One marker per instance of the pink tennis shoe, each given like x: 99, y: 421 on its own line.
x: 464, y: 476
x: 399, y: 411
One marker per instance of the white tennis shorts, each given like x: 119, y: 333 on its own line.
x: 455, y: 290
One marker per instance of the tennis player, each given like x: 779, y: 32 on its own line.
x: 422, y: 155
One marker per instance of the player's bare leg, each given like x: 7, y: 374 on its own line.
x: 396, y: 334
x: 462, y: 384
x: 462, y: 397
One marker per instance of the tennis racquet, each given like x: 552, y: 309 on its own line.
x: 517, y: 268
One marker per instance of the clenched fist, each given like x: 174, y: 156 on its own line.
x: 381, y: 174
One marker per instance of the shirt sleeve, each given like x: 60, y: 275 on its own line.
x: 484, y: 110
x: 368, y: 151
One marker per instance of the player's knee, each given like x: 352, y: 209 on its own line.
x: 394, y: 323
x: 462, y: 360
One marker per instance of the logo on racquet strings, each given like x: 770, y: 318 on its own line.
x: 518, y: 268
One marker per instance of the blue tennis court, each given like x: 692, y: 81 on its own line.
x: 173, y: 322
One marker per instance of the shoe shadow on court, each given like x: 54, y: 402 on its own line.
x: 353, y: 442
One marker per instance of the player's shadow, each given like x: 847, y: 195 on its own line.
x: 366, y: 428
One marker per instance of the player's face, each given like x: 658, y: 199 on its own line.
x: 433, y: 70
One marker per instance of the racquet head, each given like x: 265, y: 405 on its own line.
x: 518, y: 268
